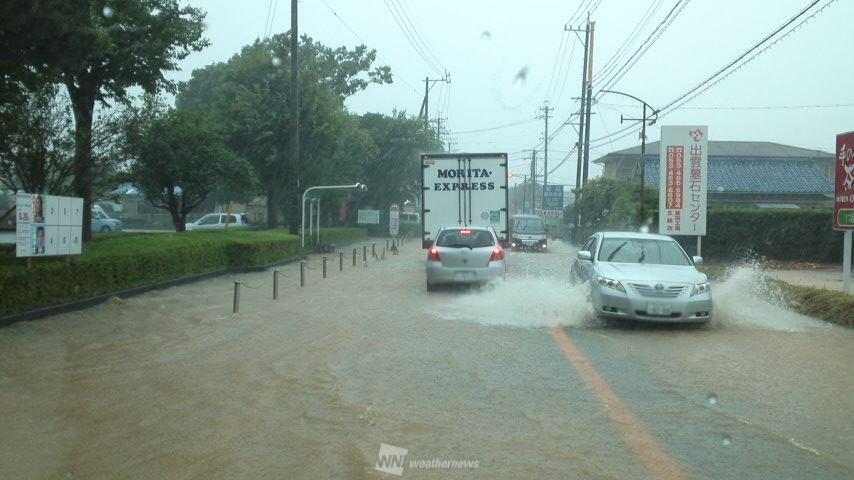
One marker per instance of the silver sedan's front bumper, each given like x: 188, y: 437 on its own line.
x: 611, y: 303
x: 436, y: 273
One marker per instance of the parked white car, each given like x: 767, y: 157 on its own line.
x: 217, y: 221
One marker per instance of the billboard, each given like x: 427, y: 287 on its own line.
x: 683, y: 180
x: 370, y: 217
x: 553, y: 197
x: 843, y: 198
x: 48, y: 225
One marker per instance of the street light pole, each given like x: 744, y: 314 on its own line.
x: 643, y: 121
x: 357, y: 186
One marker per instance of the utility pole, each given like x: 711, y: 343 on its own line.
x: 642, y: 162
x: 588, y: 103
x: 534, y: 182
x: 581, y: 116
x: 425, y: 104
x: 545, y: 109
x: 294, y: 110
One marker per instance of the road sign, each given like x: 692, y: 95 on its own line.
x: 843, y: 205
x: 553, y: 197
x: 683, y: 180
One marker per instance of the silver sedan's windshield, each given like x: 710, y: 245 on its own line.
x: 636, y: 250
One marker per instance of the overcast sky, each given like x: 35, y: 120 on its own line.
x: 488, y: 45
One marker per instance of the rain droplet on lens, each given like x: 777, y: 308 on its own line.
x: 712, y: 399
x: 485, y: 35
x: 108, y: 11
x: 726, y: 440
x: 277, y: 62
x: 644, y: 229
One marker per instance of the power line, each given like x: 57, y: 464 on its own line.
x: 267, y: 20
x: 566, y: 75
x: 579, y: 9
x: 409, y: 37
x: 269, y: 30
x: 417, y: 32
x: 614, y: 77
x: 340, y: 19
x: 690, y: 94
x: 558, y: 57
x: 608, y: 66
x: 498, y: 127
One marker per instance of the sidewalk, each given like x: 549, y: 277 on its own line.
x: 829, y: 277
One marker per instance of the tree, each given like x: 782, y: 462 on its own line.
x: 393, y: 174
x: 250, y: 95
x: 37, y: 144
x: 97, y: 50
x: 180, y: 157
x: 614, y: 204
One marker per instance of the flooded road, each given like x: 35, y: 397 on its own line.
x: 510, y: 381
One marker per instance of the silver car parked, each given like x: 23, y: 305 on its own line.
x: 641, y: 276
x: 464, y: 255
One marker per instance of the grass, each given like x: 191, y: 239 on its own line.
x: 829, y: 305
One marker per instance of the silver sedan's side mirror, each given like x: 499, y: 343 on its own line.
x: 697, y: 260
x: 584, y: 255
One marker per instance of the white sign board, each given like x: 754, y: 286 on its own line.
x: 683, y: 180
x: 369, y: 217
x: 394, y: 220
x: 48, y: 225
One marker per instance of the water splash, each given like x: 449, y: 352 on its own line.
x: 523, y: 302
x: 747, y: 299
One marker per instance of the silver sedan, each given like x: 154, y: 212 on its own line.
x: 639, y: 276
x: 464, y: 255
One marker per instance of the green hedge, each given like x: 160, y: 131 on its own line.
x: 778, y: 234
x: 114, y: 262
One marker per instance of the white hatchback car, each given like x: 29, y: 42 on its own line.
x: 464, y: 255
x: 217, y: 221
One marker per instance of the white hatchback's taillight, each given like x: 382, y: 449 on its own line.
x: 497, y: 254
x: 433, y: 255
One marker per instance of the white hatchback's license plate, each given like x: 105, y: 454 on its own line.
x: 658, y: 309
x: 465, y: 276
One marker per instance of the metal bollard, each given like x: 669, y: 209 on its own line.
x: 236, y: 306
x: 386, y: 244
x: 324, y: 267
x: 374, y: 250
x: 275, y: 284
x: 383, y: 255
x: 354, y: 257
x: 302, y: 273
x: 340, y: 261
x: 365, y: 253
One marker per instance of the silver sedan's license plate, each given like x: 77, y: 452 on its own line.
x: 658, y: 309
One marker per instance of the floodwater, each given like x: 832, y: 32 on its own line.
x: 171, y: 384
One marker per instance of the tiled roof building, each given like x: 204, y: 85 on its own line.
x: 747, y: 174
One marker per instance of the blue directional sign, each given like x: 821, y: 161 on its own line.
x: 553, y: 197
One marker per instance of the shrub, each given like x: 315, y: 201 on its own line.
x: 116, y: 262
x: 778, y: 234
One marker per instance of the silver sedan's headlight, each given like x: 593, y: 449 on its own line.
x: 607, y: 282
x: 701, y: 288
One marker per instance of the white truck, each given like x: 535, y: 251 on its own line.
x: 463, y: 189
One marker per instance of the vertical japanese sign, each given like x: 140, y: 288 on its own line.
x: 48, y: 225
x: 683, y: 180
x: 394, y: 220
x: 843, y: 204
